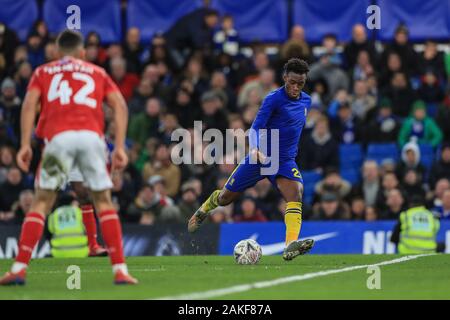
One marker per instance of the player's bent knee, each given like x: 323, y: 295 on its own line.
x: 102, y: 200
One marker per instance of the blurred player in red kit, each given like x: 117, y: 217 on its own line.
x: 71, y: 92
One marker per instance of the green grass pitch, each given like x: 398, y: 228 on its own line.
x: 422, y: 278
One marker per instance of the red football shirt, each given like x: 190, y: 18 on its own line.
x: 72, y: 93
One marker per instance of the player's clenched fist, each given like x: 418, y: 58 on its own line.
x: 24, y: 157
x: 119, y: 159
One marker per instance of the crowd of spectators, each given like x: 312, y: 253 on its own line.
x: 361, y: 93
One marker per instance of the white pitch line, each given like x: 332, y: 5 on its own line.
x: 270, y: 283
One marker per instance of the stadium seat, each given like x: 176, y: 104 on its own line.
x: 257, y: 20
x: 427, y: 155
x: 320, y: 17
x: 352, y: 175
x: 351, y: 156
x: 425, y: 19
x: 382, y: 151
x: 156, y: 16
x: 310, y: 178
x: 19, y: 15
x: 432, y: 109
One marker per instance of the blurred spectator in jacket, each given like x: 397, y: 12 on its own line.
x: 145, y: 125
x: 401, y: 94
x: 333, y: 183
x: 213, y: 113
x: 443, y: 211
x: 431, y: 60
x: 441, y: 167
x: 264, y: 84
x: 347, y: 128
x: 361, y: 102
x: 363, y: 69
x: 330, y: 208
x: 295, y: 46
x: 358, y: 44
x: 443, y: 117
x: 329, y: 44
x: 319, y: 150
x: 219, y: 84
x: 389, y: 182
x: 7, y: 161
x: 22, y: 77
x: 404, y: 49
x: 226, y: 39
x: 23, y: 206
x: 431, y: 90
x: 140, y: 96
x: 370, y: 185
x: 420, y: 127
x: 125, y: 81
x: 159, y: 185
x: 410, y: 159
x: 371, y: 214
x: 249, y: 211
x: 412, y: 184
x: 385, y: 126
x: 393, y: 65
x: 163, y: 166
x: 11, y: 189
x: 35, y: 49
x: 434, y: 197
x: 8, y: 44
x: 191, y: 32
x: 132, y: 50
x: 147, y: 205
x: 395, y: 204
x: 189, y: 201
x: 10, y: 105
x: 334, y: 76
x: 357, y: 208
x: 184, y: 108
x: 93, y: 39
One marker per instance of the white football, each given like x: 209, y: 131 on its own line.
x: 247, y: 251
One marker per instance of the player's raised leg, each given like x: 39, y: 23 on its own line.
x: 218, y: 198
x: 32, y: 230
x: 243, y: 176
x: 291, y: 191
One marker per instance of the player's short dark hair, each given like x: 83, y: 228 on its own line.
x: 69, y: 40
x: 296, y: 65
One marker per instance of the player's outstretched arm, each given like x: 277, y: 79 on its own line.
x: 116, y: 101
x: 27, y: 119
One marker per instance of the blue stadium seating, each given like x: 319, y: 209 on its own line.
x: 310, y: 178
x: 260, y: 20
x: 427, y: 155
x: 329, y: 16
x: 351, y: 156
x: 425, y: 19
x: 157, y: 16
x: 19, y: 15
x: 352, y: 175
x: 382, y: 151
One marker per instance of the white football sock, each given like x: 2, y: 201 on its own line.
x: 120, y: 266
x: 18, y: 266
